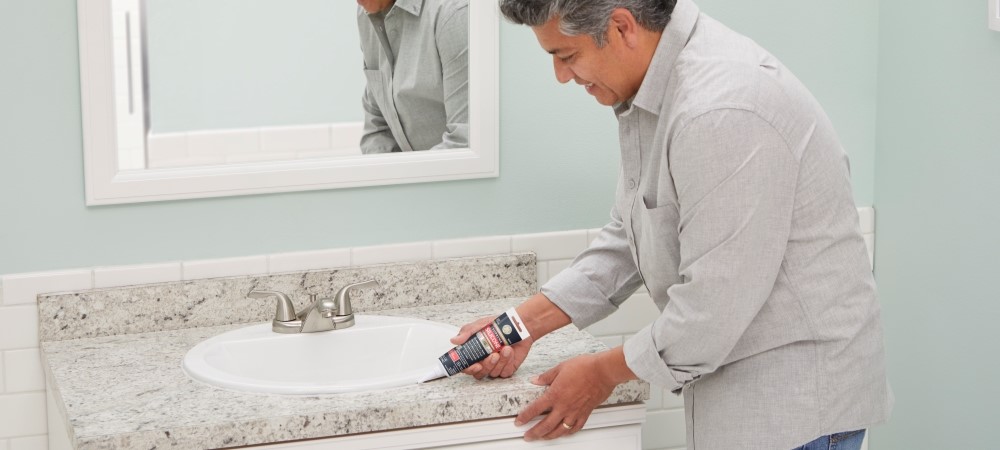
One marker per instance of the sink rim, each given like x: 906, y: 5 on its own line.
x: 197, y: 368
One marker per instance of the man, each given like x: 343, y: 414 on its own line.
x: 734, y: 208
x: 417, y: 73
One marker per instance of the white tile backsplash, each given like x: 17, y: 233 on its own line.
x: 549, y: 246
x: 198, y: 160
x: 380, y: 254
x: 140, y: 274
x: 632, y: 315
x: 3, y: 371
x: 558, y: 265
x: 227, y: 142
x: 247, y: 145
x: 592, y: 234
x: 22, y: 289
x: 346, y: 135
x: 542, y: 268
x: 167, y: 147
x: 23, y: 371
x: 22, y: 415
x: 457, y: 248
x: 313, y: 260
x: 870, y: 243
x: 228, y: 267
x: 611, y: 341
x: 295, y: 138
x: 258, y: 157
x: 20, y: 327
x: 867, y: 218
x: 324, y: 154
x: 30, y: 443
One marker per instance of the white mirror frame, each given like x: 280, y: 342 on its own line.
x: 106, y: 184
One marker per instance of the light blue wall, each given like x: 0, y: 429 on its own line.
x: 937, y: 194
x: 253, y: 63
x: 559, y: 153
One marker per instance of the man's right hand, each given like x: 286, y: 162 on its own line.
x: 501, y: 364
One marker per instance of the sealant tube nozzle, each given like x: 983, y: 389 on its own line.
x: 433, y: 372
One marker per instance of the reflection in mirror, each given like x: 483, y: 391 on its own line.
x: 269, y: 96
x: 218, y: 82
x: 416, y: 66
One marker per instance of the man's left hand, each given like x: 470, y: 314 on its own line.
x: 575, y: 387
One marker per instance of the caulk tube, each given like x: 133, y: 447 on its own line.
x: 506, y: 329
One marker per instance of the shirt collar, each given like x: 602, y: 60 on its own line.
x: 673, y: 40
x: 410, y: 6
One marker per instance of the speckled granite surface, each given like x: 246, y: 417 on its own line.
x: 129, y: 391
x: 222, y: 301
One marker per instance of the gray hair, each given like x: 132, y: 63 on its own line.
x: 587, y: 17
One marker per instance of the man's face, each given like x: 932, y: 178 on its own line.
x: 374, y: 6
x: 578, y: 58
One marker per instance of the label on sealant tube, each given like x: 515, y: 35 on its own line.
x: 506, y: 329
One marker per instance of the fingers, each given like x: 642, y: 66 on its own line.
x: 500, y: 361
x: 567, y: 426
x: 548, y: 377
x: 551, y: 424
x: 492, y: 364
x: 487, y: 365
x: 474, y: 370
x: 534, y: 409
x: 512, y: 364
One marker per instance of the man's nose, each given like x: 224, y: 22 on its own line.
x: 563, y: 73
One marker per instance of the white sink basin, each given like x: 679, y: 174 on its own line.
x: 378, y: 352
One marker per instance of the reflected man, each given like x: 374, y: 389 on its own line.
x: 417, y: 74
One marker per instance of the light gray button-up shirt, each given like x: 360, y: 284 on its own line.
x: 734, y: 207
x: 417, y: 72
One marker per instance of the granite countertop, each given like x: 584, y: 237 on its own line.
x: 129, y: 391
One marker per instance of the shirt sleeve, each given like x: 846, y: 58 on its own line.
x: 599, y: 279
x: 452, y: 37
x: 735, y: 178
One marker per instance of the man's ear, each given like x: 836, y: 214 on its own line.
x: 624, y: 26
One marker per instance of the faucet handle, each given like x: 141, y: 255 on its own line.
x: 285, y: 310
x: 343, y: 296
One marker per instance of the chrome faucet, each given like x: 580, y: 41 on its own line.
x: 321, y: 315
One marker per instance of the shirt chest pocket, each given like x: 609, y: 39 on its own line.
x: 657, y: 247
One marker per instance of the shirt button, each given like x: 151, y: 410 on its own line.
x: 631, y: 184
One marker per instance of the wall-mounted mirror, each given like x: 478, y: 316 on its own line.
x: 203, y: 98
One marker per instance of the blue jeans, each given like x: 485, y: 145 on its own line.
x: 848, y: 440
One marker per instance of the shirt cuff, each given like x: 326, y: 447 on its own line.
x: 643, y: 357
x: 578, y: 297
